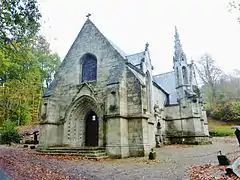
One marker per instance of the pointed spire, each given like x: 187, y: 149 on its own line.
x: 177, y: 39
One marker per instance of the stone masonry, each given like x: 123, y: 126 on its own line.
x: 101, y: 97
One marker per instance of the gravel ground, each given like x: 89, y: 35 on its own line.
x: 173, y: 163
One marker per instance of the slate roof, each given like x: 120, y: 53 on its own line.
x: 136, y: 59
x: 121, y: 52
x: 167, y: 82
x: 47, y: 93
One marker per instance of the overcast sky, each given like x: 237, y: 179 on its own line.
x: 203, y: 25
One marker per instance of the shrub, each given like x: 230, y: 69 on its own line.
x: 226, y: 111
x: 9, y: 133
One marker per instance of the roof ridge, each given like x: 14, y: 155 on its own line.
x: 121, y: 52
x: 135, y: 53
x: 163, y: 73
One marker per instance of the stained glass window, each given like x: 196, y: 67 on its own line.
x: 89, y: 68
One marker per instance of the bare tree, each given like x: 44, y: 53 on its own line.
x: 234, y: 7
x: 209, y: 73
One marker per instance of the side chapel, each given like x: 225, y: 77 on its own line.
x: 102, y: 97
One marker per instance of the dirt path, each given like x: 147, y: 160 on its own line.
x: 173, y: 163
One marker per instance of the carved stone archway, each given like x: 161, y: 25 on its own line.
x: 75, y: 124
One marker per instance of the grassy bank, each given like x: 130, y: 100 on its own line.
x: 218, y: 128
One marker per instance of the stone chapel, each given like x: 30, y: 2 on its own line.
x: 102, y: 97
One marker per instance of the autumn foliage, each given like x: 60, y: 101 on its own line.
x: 226, y: 112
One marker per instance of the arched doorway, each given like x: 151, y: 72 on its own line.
x: 91, y: 129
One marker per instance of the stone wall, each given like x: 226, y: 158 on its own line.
x: 183, y: 125
x: 119, y: 97
x: 135, y: 95
x: 51, y: 135
x: 138, y: 137
x: 69, y: 87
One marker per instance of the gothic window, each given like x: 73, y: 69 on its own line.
x: 185, y: 76
x: 89, y: 67
x: 148, y: 91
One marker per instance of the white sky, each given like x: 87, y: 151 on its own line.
x: 203, y: 25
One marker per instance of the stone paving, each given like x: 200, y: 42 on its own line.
x: 173, y: 163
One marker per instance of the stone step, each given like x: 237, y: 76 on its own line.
x: 76, y: 154
x: 89, y: 152
x: 77, y: 151
x: 78, y: 148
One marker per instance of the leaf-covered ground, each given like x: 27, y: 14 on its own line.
x: 173, y: 162
x: 17, y: 164
x: 210, y: 172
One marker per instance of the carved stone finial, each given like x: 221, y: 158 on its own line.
x: 146, y: 46
x: 88, y: 15
x: 177, y: 40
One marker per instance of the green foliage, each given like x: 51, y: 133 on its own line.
x: 220, y: 133
x: 19, y: 21
x: 26, y: 62
x: 22, y: 79
x: 9, y: 133
x: 229, y: 111
x: 216, y: 129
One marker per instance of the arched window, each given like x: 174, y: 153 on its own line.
x: 185, y: 76
x: 148, y: 91
x: 89, y: 67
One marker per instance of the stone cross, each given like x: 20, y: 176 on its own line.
x: 88, y: 15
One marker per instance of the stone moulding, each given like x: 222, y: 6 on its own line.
x: 51, y: 123
x: 192, y: 117
x: 126, y: 117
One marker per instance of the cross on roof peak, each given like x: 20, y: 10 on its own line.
x: 88, y: 15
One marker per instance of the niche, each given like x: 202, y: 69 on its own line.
x: 113, y: 101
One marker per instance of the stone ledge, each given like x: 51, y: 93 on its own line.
x: 174, y: 119
x: 126, y: 117
x: 51, y: 123
x: 193, y: 140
